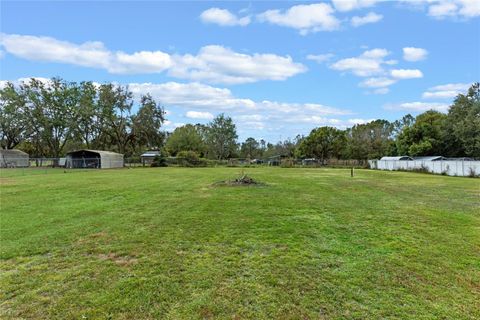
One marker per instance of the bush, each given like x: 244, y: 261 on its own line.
x: 160, y: 160
x: 287, y: 163
x: 189, y: 159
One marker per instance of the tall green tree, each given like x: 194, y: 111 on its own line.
x: 51, y: 112
x: 370, y: 141
x: 462, y: 126
x: 13, y: 119
x: 185, y: 138
x: 115, y: 109
x: 324, y: 143
x: 147, y: 123
x: 86, y: 114
x: 250, y: 148
x: 424, y: 137
x: 222, y: 137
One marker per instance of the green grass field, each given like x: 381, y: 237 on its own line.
x: 165, y: 244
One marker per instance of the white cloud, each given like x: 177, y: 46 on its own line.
x: 469, y: 8
x: 414, y: 54
x: 217, y: 64
x: 88, y: 54
x: 213, y: 63
x: 406, y: 73
x: 373, y: 64
x: 305, y: 18
x: 349, y: 5
x: 446, y: 91
x: 367, y: 64
x: 371, y: 17
x: 377, y: 82
x: 441, y: 9
x: 417, y: 106
x: 199, y: 115
x: 223, y: 17
x: 191, y: 95
x: 320, y: 58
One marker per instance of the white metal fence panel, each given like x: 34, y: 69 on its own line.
x: 460, y: 168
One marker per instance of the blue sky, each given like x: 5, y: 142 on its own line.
x: 278, y: 68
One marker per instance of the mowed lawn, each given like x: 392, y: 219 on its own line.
x: 163, y: 243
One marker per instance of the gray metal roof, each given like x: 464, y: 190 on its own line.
x: 100, y: 152
x: 396, y: 158
x: 430, y: 158
x: 12, y: 153
x: 150, y: 154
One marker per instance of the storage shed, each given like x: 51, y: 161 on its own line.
x: 396, y: 158
x: 94, y: 159
x: 13, y: 158
x: 147, y: 157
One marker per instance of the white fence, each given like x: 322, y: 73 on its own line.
x: 460, y: 168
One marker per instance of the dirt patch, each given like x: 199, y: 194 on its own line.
x: 6, y: 181
x: 119, y: 260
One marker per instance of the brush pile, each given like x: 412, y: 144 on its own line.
x: 242, y: 180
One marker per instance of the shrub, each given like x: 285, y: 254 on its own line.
x: 287, y: 163
x: 189, y: 159
x: 160, y: 160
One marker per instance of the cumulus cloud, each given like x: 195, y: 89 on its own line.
x: 349, y: 5
x: 307, y: 18
x: 446, y: 91
x: 406, y: 73
x: 417, y: 106
x: 223, y: 17
x: 370, y: 17
x: 320, y: 58
x: 192, y: 95
x: 369, y: 63
x: 199, y: 115
x: 414, y: 54
x: 213, y: 63
x: 88, y: 54
x: 217, y: 64
x: 442, y: 9
x: 379, y: 82
x: 373, y: 65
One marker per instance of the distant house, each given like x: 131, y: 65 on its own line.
x: 396, y: 158
x: 13, y: 158
x: 95, y: 159
x: 147, y: 157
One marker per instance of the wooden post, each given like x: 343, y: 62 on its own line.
x: 351, y: 173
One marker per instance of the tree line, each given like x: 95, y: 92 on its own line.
x: 48, y: 119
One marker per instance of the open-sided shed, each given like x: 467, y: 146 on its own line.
x: 99, y: 159
x: 149, y: 156
x: 13, y: 158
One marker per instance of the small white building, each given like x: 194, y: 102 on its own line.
x: 13, y: 158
